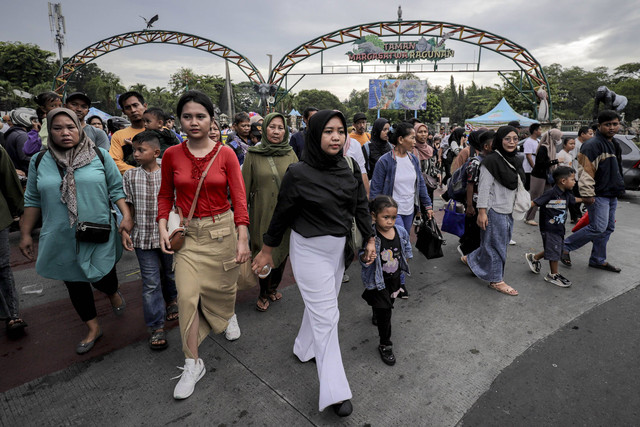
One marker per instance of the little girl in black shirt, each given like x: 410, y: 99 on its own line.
x: 381, y: 277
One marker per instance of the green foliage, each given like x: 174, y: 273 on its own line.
x: 102, y: 89
x: 25, y: 65
x: 321, y: 99
x: 358, y: 102
x: 433, y: 113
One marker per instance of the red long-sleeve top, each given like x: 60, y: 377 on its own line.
x: 181, y: 173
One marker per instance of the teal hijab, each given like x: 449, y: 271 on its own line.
x: 266, y: 148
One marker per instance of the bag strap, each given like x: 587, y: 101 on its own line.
x: 274, y: 170
x: 195, y: 198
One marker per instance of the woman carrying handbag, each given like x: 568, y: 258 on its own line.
x: 195, y: 176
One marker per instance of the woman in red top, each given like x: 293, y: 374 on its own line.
x: 207, y: 266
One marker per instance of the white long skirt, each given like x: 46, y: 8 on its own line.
x: 318, y: 266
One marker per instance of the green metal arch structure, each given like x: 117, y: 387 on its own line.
x: 532, y: 75
x: 136, y: 38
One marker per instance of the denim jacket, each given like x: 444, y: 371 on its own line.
x: 384, y: 177
x: 372, y: 274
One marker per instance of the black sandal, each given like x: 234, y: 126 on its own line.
x: 13, y: 325
x: 607, y: 267
x: 565, y: 259
x: 158, y: 335
x: 172, y: 312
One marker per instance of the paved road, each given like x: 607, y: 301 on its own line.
x: 458, y: 345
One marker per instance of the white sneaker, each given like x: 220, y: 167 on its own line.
x: 191, y: 373
x: 232, y: 332
x: 512, y: 242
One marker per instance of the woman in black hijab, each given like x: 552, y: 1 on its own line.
x: 378, y: 145
x: 499, y: 175
x: 318, y: 199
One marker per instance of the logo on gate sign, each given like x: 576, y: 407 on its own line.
x: 372, y: 48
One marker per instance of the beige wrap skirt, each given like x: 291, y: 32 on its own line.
x: 206, y: 275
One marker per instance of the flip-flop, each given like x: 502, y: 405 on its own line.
x: 509, y: 291
x: 262, y: 304
x: 274, y: 296
x: 606, y: 267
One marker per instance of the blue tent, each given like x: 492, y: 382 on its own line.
x: 93, y: 111
x: 295, y: 113
x: 501, y: 115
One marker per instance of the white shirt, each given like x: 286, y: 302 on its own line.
x: 564, y: 158
x: 404, y: 185
x: 530, y: 147
x: 574, y: 154
x: 355, y: 151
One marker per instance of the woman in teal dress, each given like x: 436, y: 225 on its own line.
x: 74, y: 181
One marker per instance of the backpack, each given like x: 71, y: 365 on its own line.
x: 457, y: 187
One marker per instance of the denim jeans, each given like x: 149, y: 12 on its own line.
x: 8, y: 294
x: 156, y: 269
x: 602, y: 221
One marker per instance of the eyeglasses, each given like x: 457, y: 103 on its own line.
x: 510, y: 139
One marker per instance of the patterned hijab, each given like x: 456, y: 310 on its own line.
x: 70, y: 159
x: 423, y: 150
x: 267, y: 148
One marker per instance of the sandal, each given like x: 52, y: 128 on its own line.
x: 607, y: 267
x: 172, y: 312
x: 502, y: 287
x: 262, y: 304
x: 158, y: 340
x: 14, y: 325
x: 565, y: 259
x: 274, y: 296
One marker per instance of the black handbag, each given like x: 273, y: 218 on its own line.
x: 92, y: 232
x: 430, y: 239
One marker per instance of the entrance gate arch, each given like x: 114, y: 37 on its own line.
x: 135, y: 38
x: 532, y: 76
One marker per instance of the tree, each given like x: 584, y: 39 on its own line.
x: 102, y: 90
x: 321, y: 99
x: 358, y: 102
x: 433, y: 113
x: 25, y: 65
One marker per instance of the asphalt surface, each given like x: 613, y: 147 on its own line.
x: 466, y: 354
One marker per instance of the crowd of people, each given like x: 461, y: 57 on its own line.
x: 319, y: 198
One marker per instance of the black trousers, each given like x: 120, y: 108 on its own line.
x: 270, y: 283
x: 383, y: 316
x: 470, y: 240
x: 527, y: 180
x: 81, y: 294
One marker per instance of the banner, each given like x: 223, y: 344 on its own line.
x: 372, y: 48
x: 397, y: 94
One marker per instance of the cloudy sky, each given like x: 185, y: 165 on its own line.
x: 583, y: 33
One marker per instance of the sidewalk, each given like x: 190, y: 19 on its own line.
x: 452, y: 339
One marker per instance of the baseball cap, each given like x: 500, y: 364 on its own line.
x: 359, y: 116
x: 81, y: 96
